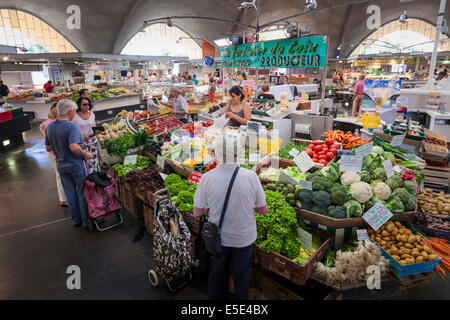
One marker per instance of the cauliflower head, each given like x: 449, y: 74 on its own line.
x: 349, y: 177
x: 361, y: 191
x: 382, y: 191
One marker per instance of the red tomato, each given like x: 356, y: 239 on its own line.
x: 322, y: 161
x: 315, y: 142
x: 323, y: 156
x: 330, y: 155
x: 334, y: 150
x: 309, y: 152
x: 317, y: 148
x: 321, y: 153
x: 325, y: 148
x: 314, y: 159
x: 329, y: 141
x: 336, y: 146
x: 311, y: 146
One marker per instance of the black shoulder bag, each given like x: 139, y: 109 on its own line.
x: 211, y: 232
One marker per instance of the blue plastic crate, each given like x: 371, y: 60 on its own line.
x: 409, y: 269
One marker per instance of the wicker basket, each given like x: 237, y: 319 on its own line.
x: 193, y: 222
x: 290, y: 270
x: 148, y: 218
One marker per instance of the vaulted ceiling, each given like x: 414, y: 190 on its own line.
x: 106, y: 26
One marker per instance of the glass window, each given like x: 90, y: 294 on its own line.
x: 21, y: 29
x: 160, y: 40
x: 395, y: 37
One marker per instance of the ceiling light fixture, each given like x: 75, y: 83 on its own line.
x: 310, y: 5
x: 403, y: 17
x: 247, y: 5
x: 222, y: 42
x: 339, y: 47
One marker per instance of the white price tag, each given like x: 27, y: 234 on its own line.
x: 207, y: 160
x: 398, y: 139
x: 303, y: 161
x: 377, y: 216
x: 130, y: 159
x: 305, y: 239
x: 422, y: 186
x: 351, y: 163
x: 362, y: 234
x: 304, y: 184
x: 163, y: 176
x: 365, y: 149
x: 160, y: 162
x: 253, y: 158
x: 294, y: 152
x: 388, y: 168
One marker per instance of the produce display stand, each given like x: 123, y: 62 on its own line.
x: 291, y: 270
x: 412, y: 281
x: 148, y: 214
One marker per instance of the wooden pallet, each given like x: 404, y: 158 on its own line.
x: 414, y: 280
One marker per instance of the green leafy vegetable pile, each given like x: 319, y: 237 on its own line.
x: 284, y: 152
x: 124, y: 169
x: 181, y: 191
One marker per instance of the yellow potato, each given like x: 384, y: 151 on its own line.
x: 419, y: 259
x: 432, y: 257
x: 386, y: 238
x: 372, y: 237
x: 396, y: 257
x: 397, y: 237
x: 409, y: 246
x: 415, y: 253
x: 394, y: 250
x: 378, y: 239
x: 402, y: 262
x: 411, y: 239
x: 390, y: 227
x: 399, y: 244
x: 405, y: 251
x: 383, y: 243
x: 371, y: 231
x: 419, y: 247
x: 378, y: 231
x: 424, y: 255
x: 427, y: 249
x: 398, y: 224
x: 410, y: 261
x: 394, y: 232
x: 385, y: 234
x: 406, y: 256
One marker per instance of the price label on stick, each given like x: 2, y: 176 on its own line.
x: 361, y: 234
x: 305, y: 239
x: 253, y: 158
x: 286, y: 179
x: 294, y: 152
x: 398, y: 140
x: 364, y: 150
x: 377, y: 216
x: 388, y: 168
x: 130, y: 159
x: 160, y: 162
x: 351, y: 163
x: 304, y: 184
x: 303, y: 161
x: 207, y: 160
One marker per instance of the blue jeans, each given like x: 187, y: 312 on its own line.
x: 219, y: 273
x: 73, y: 183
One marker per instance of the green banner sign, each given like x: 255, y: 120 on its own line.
x: 307, y: 52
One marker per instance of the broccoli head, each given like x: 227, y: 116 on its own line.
x: 354, y: 208
x: 339, y: 194
x: 367, y: 160
x: 394, y: 182
x: 408, y: 200
x: 320, y: 183
x: 318, y: 209
x: 369, y: 204
x: 378, y: 174
x: 305, y: 195
x: 337, y: 212
x: 395, y: 205
x: 410, y: 186
x: 321, y: 198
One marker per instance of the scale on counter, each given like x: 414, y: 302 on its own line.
x: 303, y: 130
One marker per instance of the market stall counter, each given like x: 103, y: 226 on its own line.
x: 12, y: 124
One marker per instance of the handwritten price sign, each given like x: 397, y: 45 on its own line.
x: 361, y: 234
x: 303, y: 161
x: 364, y: 150
x: 398, y: 140
x: 388, y: 168
x: 351, y: 163
x: 305, y: 239
x: 377, y: 216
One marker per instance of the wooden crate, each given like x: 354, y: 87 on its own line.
x: 131, y: 203
x: 414, y: 280
x: 438, y: 175
x: 148, y: 218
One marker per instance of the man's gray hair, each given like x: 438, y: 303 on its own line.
x: 176, y: 89
x: 65, y: 105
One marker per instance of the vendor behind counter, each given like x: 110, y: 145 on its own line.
x: 237, y: 110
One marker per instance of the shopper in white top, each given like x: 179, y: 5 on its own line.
x: 85, y: 120
x: 239, y: 225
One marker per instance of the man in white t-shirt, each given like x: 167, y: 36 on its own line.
x: 239, y: 225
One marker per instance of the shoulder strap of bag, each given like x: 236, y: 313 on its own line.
x: 228, y: 195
